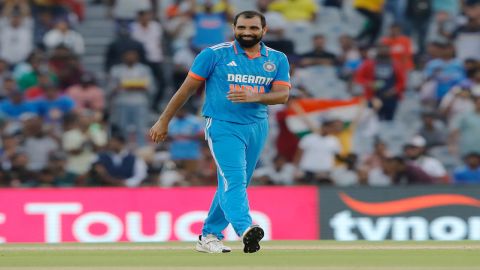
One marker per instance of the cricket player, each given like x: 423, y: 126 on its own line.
x: 241, y: 78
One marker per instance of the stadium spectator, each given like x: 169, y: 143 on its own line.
x: 415, y: 150
x: 186, y: 132
x: 15, y: 105
x: 117, y: 166
x: 433, y: 130
x: 122, y: 43
x: 446, y: 71
x: 18, y: 175
x: 66, y: 66
x: 286, y: 142
x: 9, y: 147
x: 179, y: 24
x: 319, y: 55
x: 38, y: 91
x: 37, y: 144
x: 80, y: 140
x: 383, y: 82
x: 419, y: 13
x: 22, y: 7
x: 62, y: 34
x: 296, y: 10
x: 467, y: 36
x: 470, y: 172
x: 57, y: 166
x: 402, y: 172
x: 43, y: 23
x: 29, y: 76
x: 374, y: 160
x: 4, y: 75
x: 276, y: 22
x: 349, y: 59
x: 210, y: 27
x: 55, y: 7
x: 53, y: 105
x: 442, y: 27
x: 465, y: 130
x: 124, y: 12
x: 131, y: 87
x: 401, y: 49
x: 316, y: 154
x: 346, y: 174
x: 150, y: 33
x: 277, y: 26
x: 450, y: 6
x: 16, y: 41
x: 372, y: 10
x: 457, y: 101
x: 280, y: 172
x: 87, y: 95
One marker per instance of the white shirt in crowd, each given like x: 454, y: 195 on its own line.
x: 318, y: 152
x: 378, y: 178
x: 16, y: 43
x: 458, y: 105
x: 431, y: 166
x: 151, y: 38
x: 70, y: 39
x: 38, y: 151
x: 75, y: 139
x: 285, y: 176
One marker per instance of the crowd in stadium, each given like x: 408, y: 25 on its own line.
x: 62, y: 125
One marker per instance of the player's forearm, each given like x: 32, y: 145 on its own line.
x: 181, y: 96
x: 280, y: 97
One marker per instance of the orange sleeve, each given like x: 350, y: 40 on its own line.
x: 195, y: 76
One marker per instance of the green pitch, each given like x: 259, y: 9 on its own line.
x: 274, y: 255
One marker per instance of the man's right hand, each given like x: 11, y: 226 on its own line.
x: 159, y: 131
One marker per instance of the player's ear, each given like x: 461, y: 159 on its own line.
x: 265, y: 29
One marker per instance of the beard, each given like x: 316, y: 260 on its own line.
x: 248, y: 43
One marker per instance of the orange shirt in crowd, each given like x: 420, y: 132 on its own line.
x: 401, y: 51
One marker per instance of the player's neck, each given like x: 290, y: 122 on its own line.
x: 252, y: 50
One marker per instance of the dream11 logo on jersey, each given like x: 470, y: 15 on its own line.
x: 434, y: 216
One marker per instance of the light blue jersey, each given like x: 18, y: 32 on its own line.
x: 226, y: 67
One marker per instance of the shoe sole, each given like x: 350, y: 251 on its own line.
x: 252, y: 239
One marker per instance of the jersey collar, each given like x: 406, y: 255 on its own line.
x: 238, y: 49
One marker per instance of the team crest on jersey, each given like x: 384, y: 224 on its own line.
x: 269, y: 66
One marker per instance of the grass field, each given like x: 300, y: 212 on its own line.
x: 274, y: 255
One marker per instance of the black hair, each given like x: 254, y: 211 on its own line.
x: 248, y: 14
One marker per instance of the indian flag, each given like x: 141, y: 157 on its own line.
x: 301, y: 112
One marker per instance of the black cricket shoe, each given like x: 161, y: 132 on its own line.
x: 251, y: 238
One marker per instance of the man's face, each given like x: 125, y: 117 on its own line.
x: 145, y: 17
x: 130, y: 57
x: 248, y: 31
x: 412, y: 152
x: 473, y: 161
x: 319, y: 42
x: 395, y: 31
x: 116, y: 145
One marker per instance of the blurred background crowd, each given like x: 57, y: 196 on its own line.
x: 81, y: 82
